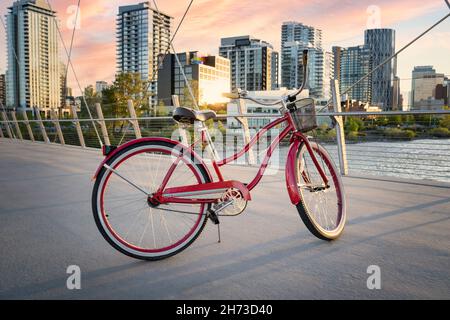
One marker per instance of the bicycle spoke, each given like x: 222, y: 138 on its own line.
x: 131, y: 182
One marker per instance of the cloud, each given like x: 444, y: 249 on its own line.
x: 343, y: 22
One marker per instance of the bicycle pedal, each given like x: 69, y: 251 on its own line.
x: 213, y: 216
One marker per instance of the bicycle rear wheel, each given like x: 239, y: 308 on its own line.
x: 125, y: 217
x: 321, y: 208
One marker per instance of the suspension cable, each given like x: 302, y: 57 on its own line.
x: 70, y: 49
x: 165, y: 53
x: 76, y: 77
x: 191, y: 92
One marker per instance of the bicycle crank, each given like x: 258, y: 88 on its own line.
x: 232, y: 203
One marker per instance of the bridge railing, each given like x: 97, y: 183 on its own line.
x: 401, y: 144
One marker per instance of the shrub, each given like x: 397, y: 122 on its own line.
x: 352, y: 135
x: 445, y: 122
x: 399, y: 133
x: 440, y: 132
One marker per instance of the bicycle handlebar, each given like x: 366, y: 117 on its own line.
x: 242, y: 94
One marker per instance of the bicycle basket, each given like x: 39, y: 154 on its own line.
x: 304, y: 115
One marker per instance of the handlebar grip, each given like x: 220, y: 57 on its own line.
x: 231, y: 95
x: 305, y: 57
x: 448, y: 3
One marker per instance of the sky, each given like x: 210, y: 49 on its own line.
x: 342, y: 22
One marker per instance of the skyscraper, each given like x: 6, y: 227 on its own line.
x: 351, y: 64
x: 254, y: 63
x: 2, y: 91
x: 33, y: 75
x: 381, y: 44
x: 296, y: 31
x: 142, y: 35
x: 320, y: 67
x: 295, y: 38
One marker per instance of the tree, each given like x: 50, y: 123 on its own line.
x: 353, y: 125
x: 188, y: 101
x: 130, y: 86
x: 90, y: 98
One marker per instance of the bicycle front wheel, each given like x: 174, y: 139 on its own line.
x: 122, y: 210
x: 322, y: 208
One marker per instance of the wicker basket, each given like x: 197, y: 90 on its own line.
x: 304, y: 115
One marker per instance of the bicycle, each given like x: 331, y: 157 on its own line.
x: 153, y: 196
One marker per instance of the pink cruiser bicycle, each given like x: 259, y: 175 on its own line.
x: 153, y: 196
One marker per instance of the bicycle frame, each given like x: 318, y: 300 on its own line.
x: 178, y: 194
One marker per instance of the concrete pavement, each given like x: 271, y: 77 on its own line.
x: 46, y: 225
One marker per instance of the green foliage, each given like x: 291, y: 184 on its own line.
x: 440, y: 132
x: 409, y: 120
x: 381, y: 121
x: 395, y: 120
x: 445, y: 122
x: 352, y: 135
x: 353, y: 125
x: 324, y: 133
x: 188, y: 101
x: 399, y: 133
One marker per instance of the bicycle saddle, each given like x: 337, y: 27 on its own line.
x: 189, y: 116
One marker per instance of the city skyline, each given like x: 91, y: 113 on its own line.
x: 343, y: 24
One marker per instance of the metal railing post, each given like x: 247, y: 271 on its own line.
x: 242, y: 108
x: 54, y: 117
x: 8, y: 129
x: 78, y: 126
x: 102, y: 123
x: 41, y: 125
x: 181, y: 129
x: 27, y: 124
x: 16, y: 124
x: 340, y: 134
x: 134, y: 122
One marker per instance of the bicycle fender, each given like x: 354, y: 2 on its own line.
x: 291, y: 181
x: 136, y: 141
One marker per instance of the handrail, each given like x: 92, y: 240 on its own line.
x: 250, y: 115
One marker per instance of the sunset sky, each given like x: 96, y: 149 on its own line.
x: 343, y: 23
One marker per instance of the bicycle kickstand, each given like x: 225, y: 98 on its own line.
x: 215, y: 219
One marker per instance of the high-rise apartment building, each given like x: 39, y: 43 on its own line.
x: 143, y: 34
x: 2, y: 91
x: 381, y: 44
x: 33, y: 75
x: 254, y: 63
x: 296, y: 31
x: 295, y: 37
x: 350, y: 65
x: 208, y: 76
x: 425, y: 81
x: 320, y: 67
